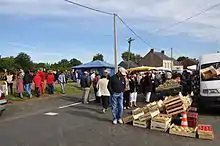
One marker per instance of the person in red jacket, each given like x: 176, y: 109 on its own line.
x: 37, y: 82
x: 50, y: 82
x: 42, y: 76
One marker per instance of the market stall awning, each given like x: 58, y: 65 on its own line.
x: 94, y: 64
x: 142, y: 68
x: 163, y: 69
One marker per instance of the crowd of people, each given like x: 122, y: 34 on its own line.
x: 41, y: 81
x: 120, y: 91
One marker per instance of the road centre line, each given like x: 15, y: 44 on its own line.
x: 73, y: 104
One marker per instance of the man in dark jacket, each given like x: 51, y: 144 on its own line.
x: 116, y: 88
x: 27, y: 82
x: 85, y: 84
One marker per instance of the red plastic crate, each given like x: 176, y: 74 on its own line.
x: 192, y: 109
x: 192, y: 115
x: 192, y: 119
x: 193, y: 123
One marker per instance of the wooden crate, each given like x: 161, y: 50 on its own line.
x: 152, y: 106
x: 149, y: 115
x: 137, y: 115
x: 145, y: 117
x: 205, y: 133
x: 206, y: 136
x: 128, y: 119
x: 182, y: 133
x: 161, y: 122
x: 174, y: 106
x: 137, y: 111
x: 141, y: 124
x: 209, y: 72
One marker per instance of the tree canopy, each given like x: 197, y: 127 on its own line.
x: 23, y: 61
x: 133, y: 57
x: 98, y: 57
x: 181, y: 58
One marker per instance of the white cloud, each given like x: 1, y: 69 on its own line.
x: 143, y: 15
x: 148, y: 15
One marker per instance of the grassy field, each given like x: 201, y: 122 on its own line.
x: 70, y: 89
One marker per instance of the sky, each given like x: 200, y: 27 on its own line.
x: 51, y: 30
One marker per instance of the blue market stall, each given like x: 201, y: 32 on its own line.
x: 97, y: 65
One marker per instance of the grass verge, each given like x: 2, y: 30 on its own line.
x: 70, y: 89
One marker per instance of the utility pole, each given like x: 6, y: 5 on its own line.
x: 171, y: 50
x: 115, y: 44
x: 129, y: 50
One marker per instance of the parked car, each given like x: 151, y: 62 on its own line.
x: 3, y: 103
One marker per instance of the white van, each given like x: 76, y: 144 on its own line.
x: 209, y: 88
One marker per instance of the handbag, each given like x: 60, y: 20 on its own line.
x: 99, y: 94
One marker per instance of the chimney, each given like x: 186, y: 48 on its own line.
x: 152, y: 50
x: 162, y: 51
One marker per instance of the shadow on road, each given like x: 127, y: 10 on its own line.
x: 88, y: 115
x: 71, y: 98
x: 84, y: 107
x: 209, y: 112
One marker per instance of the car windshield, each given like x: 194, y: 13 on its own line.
x: 216, y: 66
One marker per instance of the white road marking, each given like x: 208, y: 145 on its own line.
x: 51, y: 114
x: 69, y: 105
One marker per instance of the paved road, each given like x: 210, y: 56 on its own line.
x: 25, y: 124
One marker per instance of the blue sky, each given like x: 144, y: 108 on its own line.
x: 52, y: 30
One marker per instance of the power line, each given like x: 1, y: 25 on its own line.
x: 189, y: 18
x: 134, y: 32
x: 87, y: 7
x: 108, y: 13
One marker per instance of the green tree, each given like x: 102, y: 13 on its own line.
x: 98, y: 57
x: 133, y: 57
x: 181, y: 58
x: 74, y: 62
x: 65, y: 64
x: 138, y: 59
x: 7, y: 63
x: 23, y: 61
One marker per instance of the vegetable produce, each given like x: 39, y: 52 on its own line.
x: 169, y: 84
x: 183, y: 129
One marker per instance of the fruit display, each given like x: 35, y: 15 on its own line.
x: 161, y: 122
x: 169, y: 84
x: 161, y: 117
x: 183, y: 129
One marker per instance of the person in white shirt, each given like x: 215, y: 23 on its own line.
x: 10, y: 80
x: 93, y: 76
x: 103, y: 92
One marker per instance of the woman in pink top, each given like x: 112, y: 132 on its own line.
x: 20, y: 86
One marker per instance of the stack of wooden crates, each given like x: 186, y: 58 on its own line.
x: 174, y: 106
x: 161, y: 122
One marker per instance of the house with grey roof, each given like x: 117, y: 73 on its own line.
x: 125, y: 64
x: 160, y: 59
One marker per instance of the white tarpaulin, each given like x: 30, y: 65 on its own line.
x: 192, y: 67
x: 163, y: 69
